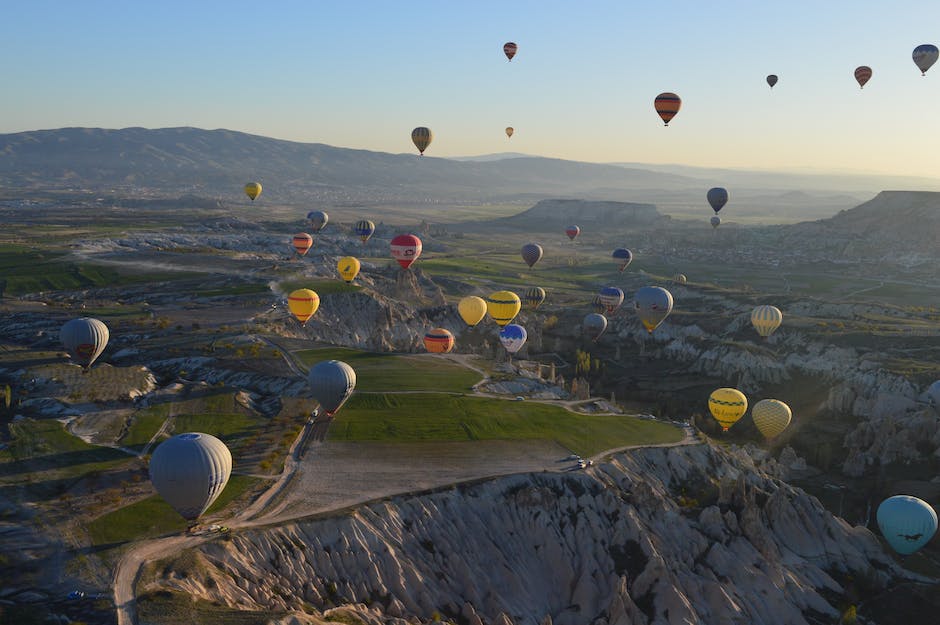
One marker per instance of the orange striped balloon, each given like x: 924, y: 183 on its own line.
x: 862, y: 75
x: 302, y: 243
x: 439, y: 341
x: 667, y: 105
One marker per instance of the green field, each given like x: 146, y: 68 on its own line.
x: 390, y: 372
x: 437, y: 417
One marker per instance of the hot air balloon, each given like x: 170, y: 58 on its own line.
x: 422, y: 138
x: 667, y: 105
x: 472, y: 309
x: 84, y: 339
x: 715, y: 221
x: 531, y: 253
x: 512, y: 337
x: 717, y: 197
x: 933, y: 393
x: 772, y: 80
x: 924, y: 56
x: 771, y: 416
x: 509, y: 131
x: 302, y: 243
x: 533, y: 297
x: 653, y: 304
x: 611, y: 297
x: 253, y: 190
x: 509, y: 49
x: 766, y: 319
x: 597, y: 305
x: 189, y: 471
x: 862, y: 75
x: 594, y: 325
x: 331, y: 383
x: 405, y: 249
x: 348, y: 267
x: 680, y: 278
x: 572, y: 232
x: 317, y: 220
x: 364, y: 229
x: 623, y: 256
x: 727, y: 405
x: 906, y: 522
x: 439, y: 341
x: 503, y: 306
x: 303, y: 303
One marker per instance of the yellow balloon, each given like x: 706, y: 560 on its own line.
x: 253, y: 190
x: 348, y: 267
x: 771, y: 416
x: 303, y: 303
x: 503, y: 306
x: 727, y: 405
x: 472, y: 309
x: 766, y: 319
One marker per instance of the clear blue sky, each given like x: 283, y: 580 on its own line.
x: 363, y: 74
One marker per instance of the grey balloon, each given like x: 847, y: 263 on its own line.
x: 84, y: 339
x: 331, y: 383
x: 653, y: 304
x: 594, y: 325
x: 531, y: 253
x: 318, y: 220
x: 716, y: 221
x: 190, y: 471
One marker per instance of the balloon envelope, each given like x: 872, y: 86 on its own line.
x: 303, y: 303
x: 422, y: 138
x: 594, y: 325
x: 906, y: 522
x: 653, y: 304
x: 533, y: 297
x: 531, y: 253
x: 772, y: 80
x: 472, y: 309
x: 331, y: 383
x: 253, y: 190
x: 766, y: 319
x: 572, y: 232
x: 623, y: 256
x: 509, y: 49
x: 715, y: 221
x: 611, y: 297
x: 717, y: 197
x: 317, y: 220
x: 509, y: 131
x: 512, y: 337
x: 365, y: 229
x: 680, y: 278
x: 925, y: 56
x: 933, y: 393
x: 503, y: 306
x: 771, y: 416
x: 862, y: 75
x: 405, y: 249
x: 189, y: 471
x: 302, y: 243
x: 727, y: 405
x: 84, y: 339
x: 348, y: 267
x: 439, y: 341
x: 667, y: 105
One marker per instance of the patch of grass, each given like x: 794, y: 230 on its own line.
x: 143, y: 427
x: 437, y: 417
x: 391, y: 372
x: 171, y: 608
x: 322, y: 287
x: 241, y: 289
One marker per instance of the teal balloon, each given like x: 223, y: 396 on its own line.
x: 906, y: 522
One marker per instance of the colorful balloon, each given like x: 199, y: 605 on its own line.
x: 766, y: 319
x: 717, y: 197
x: 771, y: 416
x: 611, y: 297
x: 572, y: 232
x: 364, y: 230
x: 331, y: 383
x: 715, y: 221
x: 253, y: 190
x: 623, y: 256
x: 924, y: 56
x: 317, y: 220
x: 862, y: 75
x: 512, y: 337
x: 189, y: 471
x: 302, y: 243
x: 509, y: 131
x: 667, y: 105
x: 84, y: 339
x: 348, y: 267
x: 531, y: 253
x: 597, y: 305
x: 303, y: 303
x: 772, y: 80
x: 509, y: 49
x: 680, y: 278
x: 503, y: 306
x: 405, y: 249
x: 653, y: 304
x: 594, y: 325
x: 727, y: 405
x: 472, y: 309
x: 906, y: 522
x: 439, y: 341
x: 422, y: 138
x: 533, y: 297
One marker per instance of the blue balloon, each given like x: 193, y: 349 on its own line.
x: 513, y: 337
x: 906, y: 522
x: 623, y: 256
x: 717, y: 197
